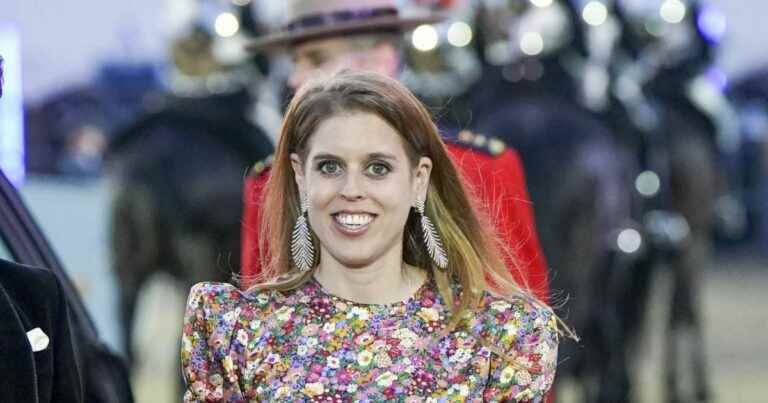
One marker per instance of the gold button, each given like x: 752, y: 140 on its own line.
x: 466, y: 136
x: 258, y: 167
x: 480, y: 140
x: 496, y: 146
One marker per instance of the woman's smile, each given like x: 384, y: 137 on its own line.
x: 353, y: 224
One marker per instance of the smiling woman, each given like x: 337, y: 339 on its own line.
x: 381, y: 283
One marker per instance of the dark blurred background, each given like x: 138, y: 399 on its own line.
x: 643, y: 126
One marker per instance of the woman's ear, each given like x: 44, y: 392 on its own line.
x: 421, y: 182
x: 298, y: 172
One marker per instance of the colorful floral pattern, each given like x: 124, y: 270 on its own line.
x: 307, y: 345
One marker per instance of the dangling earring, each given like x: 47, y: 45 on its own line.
x: 432, y: 239
x: 302, y: 250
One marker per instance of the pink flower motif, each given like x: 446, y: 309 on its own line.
x: 344, y: 377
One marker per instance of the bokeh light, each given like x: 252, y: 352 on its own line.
x: 460, y: 34
x: 531, y: 43
x: 648, y: 183
x: 629, y: 240
x: 594, y: 13
x: 226, y: 24
x: 541, y: 3
x: 425, y: 38
x: 712, y: 23
x: 673, y: 11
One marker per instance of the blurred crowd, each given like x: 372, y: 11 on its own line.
x: 638, y: 149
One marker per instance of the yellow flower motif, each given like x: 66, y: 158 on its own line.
x: 216, y: 380
x: 523, y: 378
x: 364, y: 339
x: 461, y: 356
x: 406, y: 336
x: 230, y: 316
x: 364, y: 358
x: 284, y: 313
x: 383, y: 360
x: 542, y: 348
x: 310, y: 330
x: 379, y: 345
x: 333, y: 345
x: 511, y: 328
x: 500, y: 306
x: 386, y: 379
x: 198, y: 387
x: 459, y: 390
x: 342, y: 332
x: 282, y: 392
x: 506, y: 375
x: 227, y: 363
x: 280, y: 367
x: 314, y: 389
x: 429, y: 314
x: 186, y: 345
x: 524, y: 361
x: 524, y: 395
x: 358, y: 313
x: 242, y: 337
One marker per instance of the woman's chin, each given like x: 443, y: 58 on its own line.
x: 352, y: 260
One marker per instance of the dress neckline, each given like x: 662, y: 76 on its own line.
x: 425, y: 285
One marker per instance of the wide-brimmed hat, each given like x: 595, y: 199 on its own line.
x: 314, y: 19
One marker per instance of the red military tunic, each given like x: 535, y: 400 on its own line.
x: 493, y: 173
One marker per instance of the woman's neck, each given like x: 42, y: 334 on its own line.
x: 385, y: 281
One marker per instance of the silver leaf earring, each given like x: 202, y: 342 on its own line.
x: 302, y: 250
x: 432, y: 239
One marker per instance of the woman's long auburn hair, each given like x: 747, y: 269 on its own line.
x: 475, y: 260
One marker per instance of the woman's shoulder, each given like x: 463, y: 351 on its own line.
x: 218, y: 297
x: 524, y: 339
x: 517, y: 319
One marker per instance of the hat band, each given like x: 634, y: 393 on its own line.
x: 317, y: 20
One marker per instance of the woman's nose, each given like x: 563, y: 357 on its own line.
x: 352, y: 189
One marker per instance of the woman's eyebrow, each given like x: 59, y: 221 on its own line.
x: 371, y: 156
x: 325, y: 156
x: 382, y: 156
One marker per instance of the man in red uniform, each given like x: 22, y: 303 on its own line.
x: 325, y: 36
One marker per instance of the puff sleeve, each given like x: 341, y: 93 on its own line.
x: 209, y: 322
x: 527, y: 335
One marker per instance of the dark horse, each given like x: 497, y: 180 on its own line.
x: 179, y: 174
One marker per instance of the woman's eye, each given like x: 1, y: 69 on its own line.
x: 378, y: 169
x: 329, y: 167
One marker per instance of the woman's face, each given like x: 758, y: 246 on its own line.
x: 360, y: 186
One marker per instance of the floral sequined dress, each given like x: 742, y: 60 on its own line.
x: 308, y: 345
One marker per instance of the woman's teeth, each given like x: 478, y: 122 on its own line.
x: 353, y: 220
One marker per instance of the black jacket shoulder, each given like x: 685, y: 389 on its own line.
x: 31, y: 300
